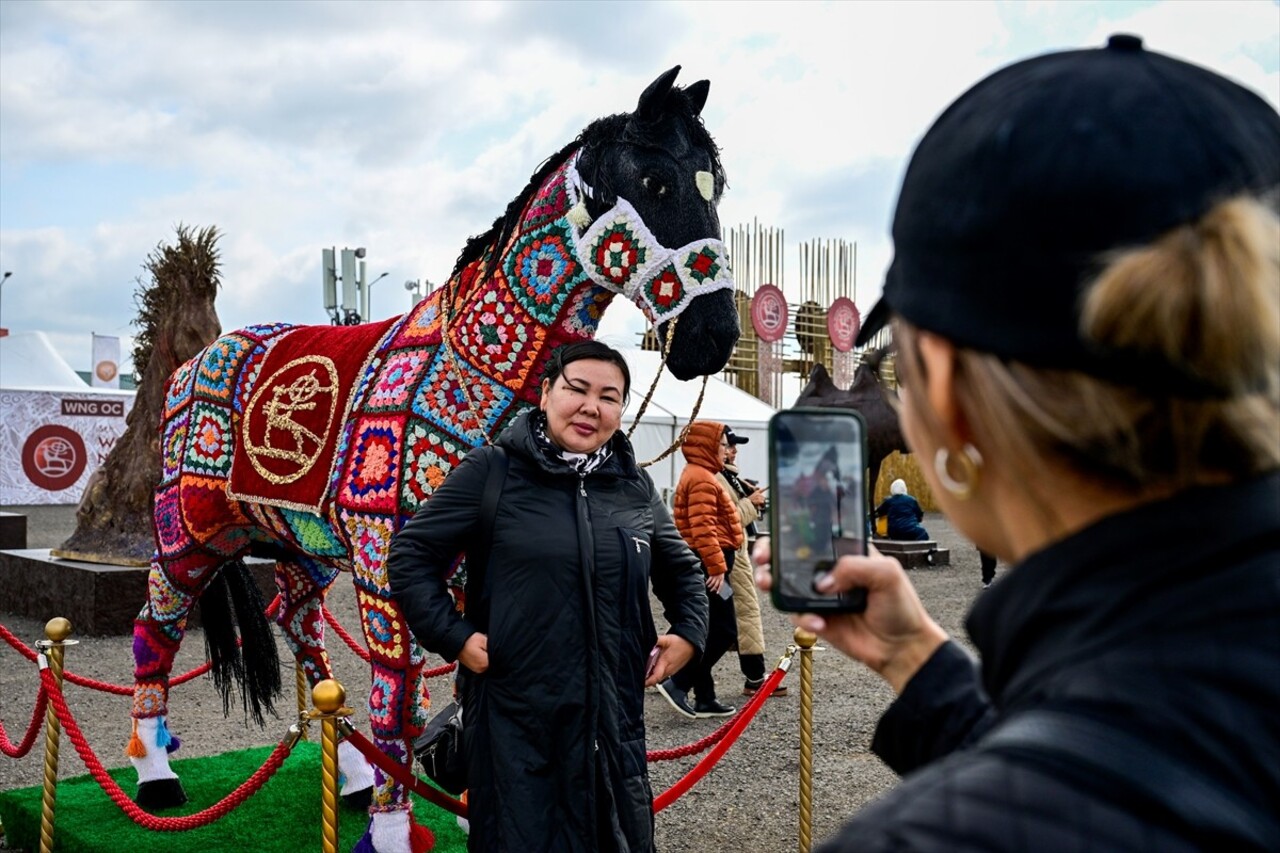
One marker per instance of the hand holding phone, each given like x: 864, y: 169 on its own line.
x: 653, y: 662
x: 817, y: 460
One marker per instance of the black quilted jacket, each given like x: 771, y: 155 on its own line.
x: 554, y: 731
x: 1163, y: 625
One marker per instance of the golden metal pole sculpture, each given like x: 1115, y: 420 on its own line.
x: 805, y: 641
x: 57, y: 630
x: 303, y: 693
x: 328, y: 697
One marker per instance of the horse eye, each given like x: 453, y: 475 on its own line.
x: 653, y: 186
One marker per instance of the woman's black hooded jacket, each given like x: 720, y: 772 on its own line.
x: 555, y: 728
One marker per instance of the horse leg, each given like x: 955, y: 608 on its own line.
x: 303, y: 583
x: 398, y: 700
x: 172, y: 588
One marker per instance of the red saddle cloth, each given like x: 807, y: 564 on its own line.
x: 296, y: 409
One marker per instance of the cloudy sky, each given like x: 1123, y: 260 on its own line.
x: 406, y: 127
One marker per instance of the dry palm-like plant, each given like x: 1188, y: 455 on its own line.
x: 176, y: 319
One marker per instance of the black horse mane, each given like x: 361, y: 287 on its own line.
x: 601, y: 133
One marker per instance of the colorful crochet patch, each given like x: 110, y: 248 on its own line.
x: 397, y: 379
x: 208, y: 448
x: 497, y: 336
x: 542, y: 269
x: 459, y: 399
x: 177, y: 392
x: 211, y: 520
x: 370, y: 538
x: 422, y: 326
x: 313, y: 533
x: 550, y: 202
x: 429, y: 457
x: 219, y: 364
x: 173, y: 445
x: 373, y: 474
x: 171, y: 536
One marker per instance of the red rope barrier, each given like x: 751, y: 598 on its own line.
x: 7, y: 747
x: 404, y: 775
x: 738, y: 724
x: 726, y: 736
x: 346, y: 638
x: 18, y: 646
x: 122, y: 689
x: 148, y: 821
x: 360, y: 650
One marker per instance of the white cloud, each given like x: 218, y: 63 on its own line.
x: 406, y: 127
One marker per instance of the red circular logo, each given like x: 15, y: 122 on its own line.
x: 54, y: 457
x: 769, y: 313
x: 843, y: 323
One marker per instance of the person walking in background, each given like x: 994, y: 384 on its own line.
x: 708, y: 519
x: 903, y: 513
x: 555, y: 654
x: 988, y: 567
x: 1089, y: 359
x: 749, y: 499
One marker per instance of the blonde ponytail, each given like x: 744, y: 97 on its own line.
x: 1204, y: 299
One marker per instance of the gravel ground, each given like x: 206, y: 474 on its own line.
x: 748, y: 803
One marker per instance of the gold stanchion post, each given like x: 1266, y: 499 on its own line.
x: 805, y: 640
x: 57, y: 630
x: 328, y: 697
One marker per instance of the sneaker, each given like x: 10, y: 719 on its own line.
x: 751, y: 685
x: 714, y: 708
x: 677, y: 698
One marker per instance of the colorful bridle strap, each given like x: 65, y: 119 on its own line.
x: 619, y: 253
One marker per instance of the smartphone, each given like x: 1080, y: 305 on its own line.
x: 653, y: 661
x: 817, y: 511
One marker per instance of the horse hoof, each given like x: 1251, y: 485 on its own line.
x: 360, y: 800
x: 160, y: 794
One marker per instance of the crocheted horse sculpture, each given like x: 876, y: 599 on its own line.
x: 318, y: 442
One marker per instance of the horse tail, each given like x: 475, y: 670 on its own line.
x: 232, y: 608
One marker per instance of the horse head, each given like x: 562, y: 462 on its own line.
x: 660, y: 163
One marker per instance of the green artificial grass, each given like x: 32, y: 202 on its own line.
x: 283, y: 816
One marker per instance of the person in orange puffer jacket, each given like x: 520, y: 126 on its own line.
x: 707, y: 517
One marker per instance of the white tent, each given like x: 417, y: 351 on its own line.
x: 28, y: 360
x: 669, y: 410
x: 54, y: 429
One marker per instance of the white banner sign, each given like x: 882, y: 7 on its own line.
x: 106, y: 361
x: 52, y: 441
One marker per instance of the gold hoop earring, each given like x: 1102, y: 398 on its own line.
x: 970, y: 474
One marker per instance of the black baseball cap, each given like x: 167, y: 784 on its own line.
x: 1019, y: 191
x: 734, y: 438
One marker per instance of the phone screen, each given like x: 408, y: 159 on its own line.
x: 818, y: 506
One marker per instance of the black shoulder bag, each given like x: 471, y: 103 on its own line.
x: 439, y: 747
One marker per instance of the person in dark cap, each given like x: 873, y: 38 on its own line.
x: 1085, y: 302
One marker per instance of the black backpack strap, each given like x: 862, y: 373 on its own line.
x: 478, y: 551
x: 1128, y: 770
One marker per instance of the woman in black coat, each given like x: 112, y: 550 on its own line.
x: 555, y: 656
x: 1085, y: 302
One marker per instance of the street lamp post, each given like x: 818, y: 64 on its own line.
x: 3, y: 279
x: 364, y: 297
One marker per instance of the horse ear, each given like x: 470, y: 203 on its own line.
x: 697, y: 95
x: 819, y: 378
x: 652, y: 99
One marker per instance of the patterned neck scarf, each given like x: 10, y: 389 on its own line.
x: 582, y: 463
